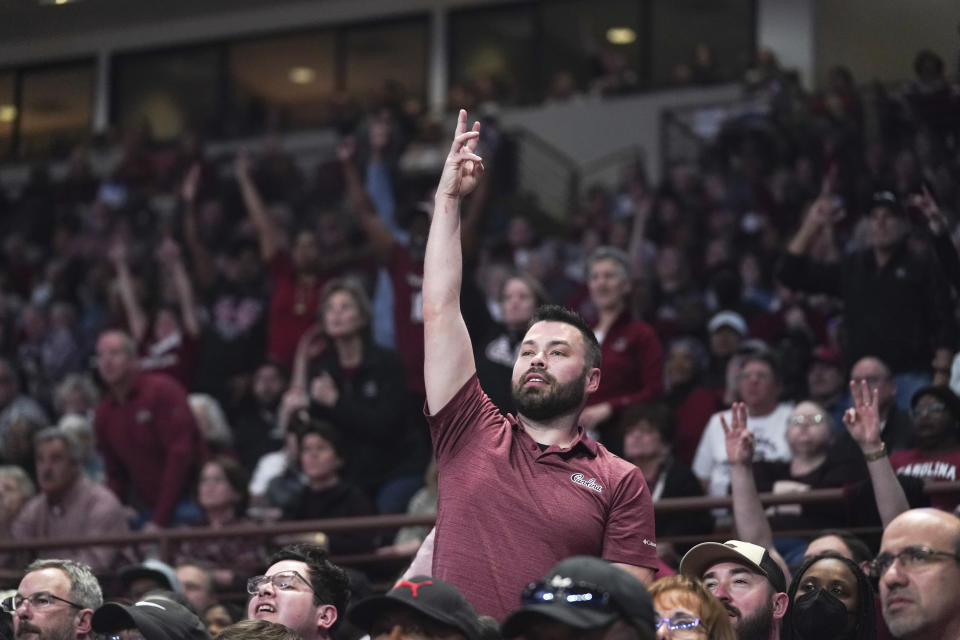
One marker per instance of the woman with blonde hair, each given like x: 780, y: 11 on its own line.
x: 686, y: 609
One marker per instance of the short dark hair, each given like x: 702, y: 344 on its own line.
x: 329, y: 582
x: 768, y: 357
x: 858, y: 548
x: 657, y: 415
x: 556, y: 313
x: 320, y: 428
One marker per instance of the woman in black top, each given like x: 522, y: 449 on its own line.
x: 358, y: 387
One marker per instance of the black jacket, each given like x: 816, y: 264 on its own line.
x: 383, y: 435
x: 899, y: 313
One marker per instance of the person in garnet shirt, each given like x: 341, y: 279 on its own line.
x: 631, y: 351
x: 297, y: 276
x: 148, y: 437
x: 541, y: 487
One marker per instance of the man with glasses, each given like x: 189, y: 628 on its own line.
x: 936, y: 456
x: 918, y: 569
x: 301, y: 590
x: 55, y: 601
x: 584, y: 598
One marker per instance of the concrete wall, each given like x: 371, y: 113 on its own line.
x: 589, y: 130
x: 787, y: 27
x: 879, y: 38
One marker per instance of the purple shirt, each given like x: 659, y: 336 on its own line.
x: 508, y: 512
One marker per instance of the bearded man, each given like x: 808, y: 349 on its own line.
x: 517, y: 494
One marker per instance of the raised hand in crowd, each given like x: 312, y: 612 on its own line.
x: 862, y: 421
x: 463, y: 167
x: 819, y: 218
x: 924, y: 202
x: 739, y: 440
x: 267, y: 231
x: 748, y: 515
x: 311, y: 344
x: 191, y: 184
x: 323, y: 390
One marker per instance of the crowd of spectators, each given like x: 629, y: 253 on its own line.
x: 228, y: 340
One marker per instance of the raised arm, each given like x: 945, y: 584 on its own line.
x: 863, y: 423
x: 203, y: 267
x: 136, y: 319
x: 448, y: 354
x: 266, y: 230
x: 376, y: 229
x: 168, y: 254
x: 748, y: 515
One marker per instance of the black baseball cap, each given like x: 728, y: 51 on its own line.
x: 157, y: 618
x: 887, y: 199
x: 585, y: 593
x: 438, y: 600
x: 703, y: 556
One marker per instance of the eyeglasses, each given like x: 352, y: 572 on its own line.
x: 577, y: 594
x: 909, y: 557
x: 39, y: 600
x: 806, y: 421
x: 684, y: 626
x: 872, y: 381
x: 283, y: 581
x: 932, y: 409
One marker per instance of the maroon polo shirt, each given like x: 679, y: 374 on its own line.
x: 632, y: 369
x: 508, y: 511
x: 150, y: 443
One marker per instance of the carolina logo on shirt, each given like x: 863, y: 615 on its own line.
x: 589, y: 484
x: 620, y: 344
x: 932, y: 469
x: 143, y: 415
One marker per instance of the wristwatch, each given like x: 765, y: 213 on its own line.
x: 876, y: 455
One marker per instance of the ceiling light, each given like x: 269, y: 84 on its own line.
x: 8, y: 113
x: 621, y: 35
x: 301, y: 75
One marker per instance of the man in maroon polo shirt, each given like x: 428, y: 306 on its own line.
x: 146, y: 433
x: 517, y: 494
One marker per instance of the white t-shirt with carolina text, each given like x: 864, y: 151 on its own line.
x: 770, y: 433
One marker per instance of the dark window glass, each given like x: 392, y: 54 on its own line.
x: 726, y: 27
x: 597, y: 43
x: 494, y: 55
x: 56, y: 109
x: 387, y: 57
x: 283, y: 82
x: 8, y: 112
x: 169, y: 91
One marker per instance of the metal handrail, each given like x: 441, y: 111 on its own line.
x: 366, y: 523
